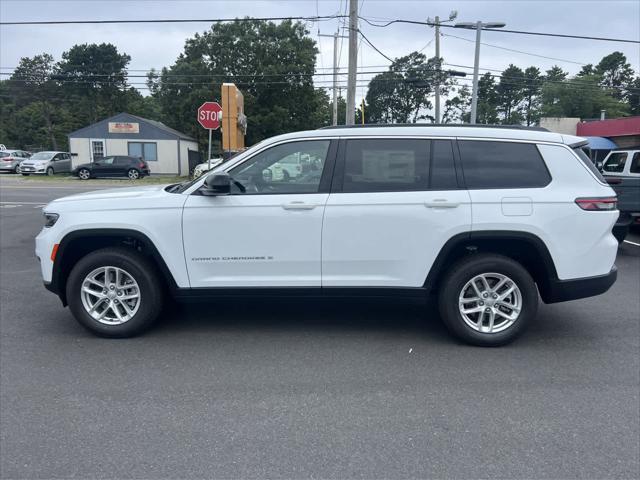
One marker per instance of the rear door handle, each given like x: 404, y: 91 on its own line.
x: 441, y: 203
x: 299, y: 206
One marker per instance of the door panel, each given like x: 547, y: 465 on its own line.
x: 253, y: 240
x: 388, y: 239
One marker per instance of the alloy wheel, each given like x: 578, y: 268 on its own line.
x: 110, y: 295
x: 490, y: 302
x: 133, y: 174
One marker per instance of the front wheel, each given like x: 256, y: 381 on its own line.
x: 25, y: 174
x: 133, y: 174
x: 50, y: 172
x: 114, y: 292
x: 487, y: 300
x: 84, y: 174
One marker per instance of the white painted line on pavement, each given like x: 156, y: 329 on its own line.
x: 632, y: 243
x: 23, y: 203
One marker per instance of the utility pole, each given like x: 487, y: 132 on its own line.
x: 478, y: 26
x: 350, y: 117
x: 476, y: 71
x: 335, y: 37
x: 439, y: 67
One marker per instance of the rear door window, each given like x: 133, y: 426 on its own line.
x: 494, y: 164
x: 386, y: 165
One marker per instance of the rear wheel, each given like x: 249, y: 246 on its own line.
x: 50, y: 171
x: 133, y: 174
x: 84, y: 174
x: 114, y: 292
x: 487, y: 300
x: 17, y: 169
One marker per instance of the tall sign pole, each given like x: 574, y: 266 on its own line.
x: 350, y: 117
x: 209, y: 116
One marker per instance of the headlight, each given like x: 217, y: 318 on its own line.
x: 50, y: 219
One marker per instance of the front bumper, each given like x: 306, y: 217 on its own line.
x: 564, y: 290
x: 27, y: 169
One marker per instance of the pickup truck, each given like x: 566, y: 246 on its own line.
x: 621, y: 170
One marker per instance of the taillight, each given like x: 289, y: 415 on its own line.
x: 597, y: 203
x: 141, y: 165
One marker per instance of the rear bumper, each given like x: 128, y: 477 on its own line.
x: 564, y: 290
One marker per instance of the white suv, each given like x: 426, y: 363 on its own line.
x: 485, y: 218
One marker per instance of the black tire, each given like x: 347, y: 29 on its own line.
x: 140, y: 268
x: 26, y: 174
x: 50, y: 172
x: 84, y: 174
x: 462, y: 272
x: 133, y: 174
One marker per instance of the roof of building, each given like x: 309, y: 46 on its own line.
x: 149, y: 129
x: 613, y: 127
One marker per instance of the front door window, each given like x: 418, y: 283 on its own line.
x: 289, y: 168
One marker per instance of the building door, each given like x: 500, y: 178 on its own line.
x: 98, y: 149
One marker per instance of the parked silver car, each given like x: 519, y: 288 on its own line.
x: 10, y: 159
x: 47, y: 163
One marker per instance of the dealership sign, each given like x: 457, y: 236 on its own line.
x: 124, y: 127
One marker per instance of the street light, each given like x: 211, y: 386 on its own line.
x: 478, y: 26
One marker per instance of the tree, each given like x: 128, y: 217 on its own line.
x: 487, y: 110
x: 35, y: 94
x: 272, y: 64
x: 456, y: 109
x: 633, y: 96
x: 552, y: 90
x: 615, y: 72
x: 532, y: 89
x: 401, y: 95
x: 97, y: 75
x: 510, y: 92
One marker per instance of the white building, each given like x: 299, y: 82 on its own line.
x: 167, y: 151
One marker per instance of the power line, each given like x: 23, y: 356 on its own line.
x: 516, y: 51
x: 502, y: 30
x: 373, y: 46
x: 317, y: 18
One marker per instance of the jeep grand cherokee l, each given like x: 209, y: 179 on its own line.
x: 487, y: 219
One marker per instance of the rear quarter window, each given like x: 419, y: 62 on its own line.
x: 582, y: 155
x: 495, y: 164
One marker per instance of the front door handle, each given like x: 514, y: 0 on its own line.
x: 441, y: 203
x: 298, y: 206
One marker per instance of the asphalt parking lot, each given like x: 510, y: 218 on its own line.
x: 284, y: 389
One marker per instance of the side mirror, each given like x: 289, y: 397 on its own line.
x: 216, y: 184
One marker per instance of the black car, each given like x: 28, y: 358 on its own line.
x: 116, y: 166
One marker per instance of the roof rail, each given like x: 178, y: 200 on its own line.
x: 379, y: 125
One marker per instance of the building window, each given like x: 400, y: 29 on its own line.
x: 143, y: 150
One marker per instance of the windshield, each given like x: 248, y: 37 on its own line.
x: 42, y: 156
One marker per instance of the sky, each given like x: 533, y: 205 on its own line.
x: 158, y: 45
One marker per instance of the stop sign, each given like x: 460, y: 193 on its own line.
x: 210, y: 115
